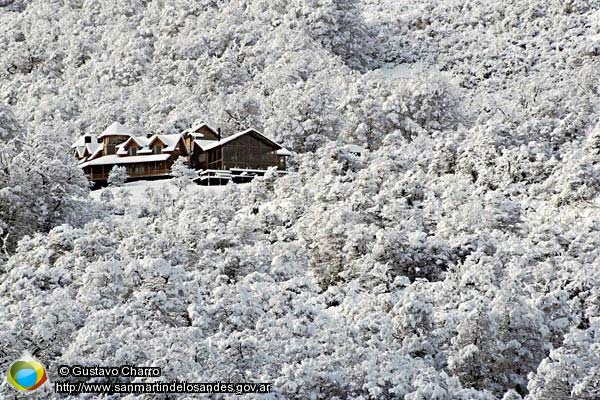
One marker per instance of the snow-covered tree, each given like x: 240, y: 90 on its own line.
x: 117, y: 175
x: 183, y: 173
x: 9, y: 126
x: 455, y: 258
x: 40, y: 187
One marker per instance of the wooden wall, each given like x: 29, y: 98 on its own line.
x: 249, y: 152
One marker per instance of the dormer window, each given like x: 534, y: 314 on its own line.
x: 132, y: 151
x: 157, y: 149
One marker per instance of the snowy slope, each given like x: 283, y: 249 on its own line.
x: 138, y: 190
x: 456, y: 258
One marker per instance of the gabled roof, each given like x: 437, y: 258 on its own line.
x: 115, y: 129
x: 82, y: 148
x: 204, y: 143
x: 141, y: 141
x: 213, y: 144
x: 193, y: 130
x: 153, y: 139
x: 145, y: 143
x: 170, y: 141
x: 93, y: 146
x: 96, y: 152
x: 80, y: 142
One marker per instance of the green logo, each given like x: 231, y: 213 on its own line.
x: 27, y: 374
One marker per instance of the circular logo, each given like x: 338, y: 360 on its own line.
x: 27, y: 374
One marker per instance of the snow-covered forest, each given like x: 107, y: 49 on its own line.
x: 457, y: 258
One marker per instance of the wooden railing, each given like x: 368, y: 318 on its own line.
x: 133, y: 174
x: 154, y: 172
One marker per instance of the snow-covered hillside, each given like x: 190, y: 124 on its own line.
x: 457, y: 258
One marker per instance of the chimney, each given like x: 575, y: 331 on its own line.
x: 87, y: 139
x: 219, y: 133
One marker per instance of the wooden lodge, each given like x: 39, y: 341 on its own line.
x: 153, y: 155
x: 248, y: 149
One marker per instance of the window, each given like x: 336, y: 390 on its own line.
x: 157, y: 149
x: 132, y: 151
x: 112, y: 143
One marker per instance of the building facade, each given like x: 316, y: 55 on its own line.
x: 152, y: 155
x: 248, y: 149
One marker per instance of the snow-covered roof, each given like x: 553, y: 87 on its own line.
x: 217, y: 143
x: 204, y: 143
x: 81, y: 147
x: 212, y: 144
x: 114, y: 159
x: 170, y: 141
x: 284, y: 152
x: 96, y: 152
x: 197, y: 126
x: 143, y: 142
x: 80, y: 142
x: 115, y: 129
x: 93, y: 146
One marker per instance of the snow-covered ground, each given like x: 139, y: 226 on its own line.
x: 457, y: 258
x: 138, y: 190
